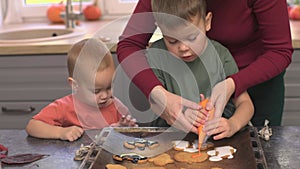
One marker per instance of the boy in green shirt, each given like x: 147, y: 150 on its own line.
x: 188, y: 64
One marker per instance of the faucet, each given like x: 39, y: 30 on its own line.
x: 71, y: 16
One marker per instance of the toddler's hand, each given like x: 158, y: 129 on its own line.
x: 71, y: 133
x: 125, y: 121
x: 225, y: 129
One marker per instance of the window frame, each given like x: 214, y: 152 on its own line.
x: 108, y: 8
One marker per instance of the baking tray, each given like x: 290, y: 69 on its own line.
x: 100, y: 154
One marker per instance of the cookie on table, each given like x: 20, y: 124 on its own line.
x: 152, y: 144
x: 180, y: 145
x: 149, y: 168
x: 115, y: 166
x: 187, y: 157
x: 129, y: 145
x: 207, y: 145
x: 162, y: 159
x: 133, y: 157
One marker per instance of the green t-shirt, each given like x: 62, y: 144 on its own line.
x: 189, y: 79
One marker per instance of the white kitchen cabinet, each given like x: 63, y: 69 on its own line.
x: 27, y: 83
x: 291, y: 115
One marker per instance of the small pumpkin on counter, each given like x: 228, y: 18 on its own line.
x: 53, y: 12
x: 294, y: 10
x: 92, y: 12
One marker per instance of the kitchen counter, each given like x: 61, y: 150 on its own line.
x: 103, y: 28
x: 295, y: 32
x: 281, y: 152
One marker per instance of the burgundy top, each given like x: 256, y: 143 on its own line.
x: 256, y: 32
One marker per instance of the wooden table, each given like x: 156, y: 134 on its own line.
x: 281, y: 152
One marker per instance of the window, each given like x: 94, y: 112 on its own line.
x: 46, y: 2
x: 38, y: 8
x: 118, y: 7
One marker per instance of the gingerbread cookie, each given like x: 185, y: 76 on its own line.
x: 141, y: 144
x: 133, y: 157
x: 115, y: 166
x: 129, y: 145
x: 206, y: 146
x: 187, y: 157
x: 149, y: 168
x: 219, y: 153
x: 152, y: 144
x: 180, y: 145
x: 162, y: 159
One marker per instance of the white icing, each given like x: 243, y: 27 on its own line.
x: 190, y: 150
x: 215, y: 158
x: 195, y: 144
x: 184, y: 146
x: 211, y: 152
x: 230, y: 157
x: 221, y: 152
x: 180, y: 144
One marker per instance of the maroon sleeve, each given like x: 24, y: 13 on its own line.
x: 132, y: 44
x: 273, y: 24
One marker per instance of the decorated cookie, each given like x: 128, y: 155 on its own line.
x: 181, y: 145
x: 129, y: 145
x: 133, y: 157
x: 219, y: 153
x: 162, y: 159
x: 115, y: 166
x: 149, y: 168
x: 141, y: 144
x: 188, y: 157
x: 206, y: 146
x: 152, y: 144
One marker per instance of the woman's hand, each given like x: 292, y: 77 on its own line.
x: 170, y: 107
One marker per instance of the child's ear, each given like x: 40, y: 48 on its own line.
x: 72, y: 82
x: 208, y: 18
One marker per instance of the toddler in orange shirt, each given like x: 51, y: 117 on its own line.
x: 91, y: 105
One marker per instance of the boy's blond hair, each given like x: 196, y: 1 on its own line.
x: 90, y: 54
x: 184, y: 9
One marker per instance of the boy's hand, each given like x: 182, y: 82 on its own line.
x: 71, y: 133
x: 196, y: 117
x: 170, y: 107
x: 226, y: 128
x: 125, y: 121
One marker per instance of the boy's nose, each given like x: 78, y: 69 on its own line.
x: 183, y: 47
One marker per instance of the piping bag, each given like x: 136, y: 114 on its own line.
x: 202, y: 137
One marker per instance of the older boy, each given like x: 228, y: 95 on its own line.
x: 187, y: 63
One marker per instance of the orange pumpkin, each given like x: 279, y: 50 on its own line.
x: 53, y: 12
x: 92, y: 12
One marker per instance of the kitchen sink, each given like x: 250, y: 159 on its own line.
x: 38, y: 34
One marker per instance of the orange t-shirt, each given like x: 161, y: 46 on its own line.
x: 62, y: 112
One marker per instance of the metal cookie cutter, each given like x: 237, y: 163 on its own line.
x: 266, y: 132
